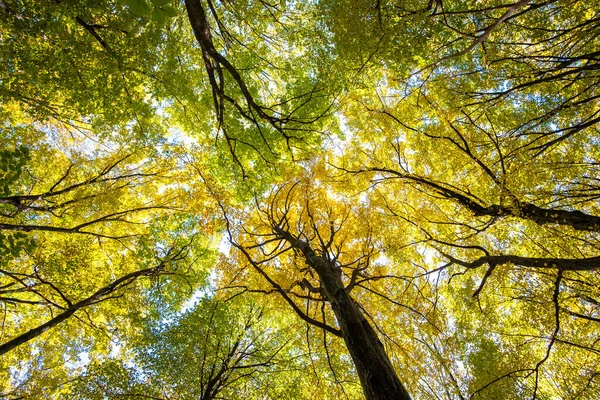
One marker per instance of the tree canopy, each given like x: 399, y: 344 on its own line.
x: 325, y: 199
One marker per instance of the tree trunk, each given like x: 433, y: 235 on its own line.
x: 377, y: 375
x: 375, y: 370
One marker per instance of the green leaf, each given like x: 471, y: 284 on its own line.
x: 158, y: 15
x: 159, y: 3
x: 138, y: 7
x: 169, y: 11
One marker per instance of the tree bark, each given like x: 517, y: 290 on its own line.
x: 375, y: 370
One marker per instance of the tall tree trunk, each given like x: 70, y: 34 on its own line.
x: 375, y: 370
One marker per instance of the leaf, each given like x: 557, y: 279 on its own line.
x: 169, y: 11
x: 138, y: 7
x: 158, y: 15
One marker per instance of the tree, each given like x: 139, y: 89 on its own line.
x: 104, y: 293
x: 212, y: 350
x: 415, y: 181
x: 287, y: 224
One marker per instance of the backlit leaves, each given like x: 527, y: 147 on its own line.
x: 442, y: 155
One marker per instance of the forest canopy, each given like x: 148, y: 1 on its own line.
x: 324, y: 199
